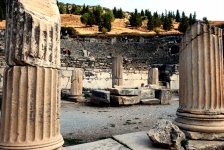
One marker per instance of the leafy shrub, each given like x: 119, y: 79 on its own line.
x: 156, y: 30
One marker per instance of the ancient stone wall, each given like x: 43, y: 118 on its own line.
x: 138, y: 52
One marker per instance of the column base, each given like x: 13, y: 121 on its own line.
x: 50, y: 145
x: 203, y: 127
x: 76, y: 98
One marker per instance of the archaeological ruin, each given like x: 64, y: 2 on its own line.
x: 200, y: 112
x: 116, y: 70
x: 30, y: 114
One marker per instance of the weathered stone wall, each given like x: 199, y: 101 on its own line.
x: 101, y: 79
x: 138, y: 52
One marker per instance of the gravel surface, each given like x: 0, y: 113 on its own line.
x: 91, y: 123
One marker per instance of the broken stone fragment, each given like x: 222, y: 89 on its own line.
x: 100, y: 97
x: 33, y: 33
x: 124, y: 92
x: 167, y: 135
x: 124, y: 100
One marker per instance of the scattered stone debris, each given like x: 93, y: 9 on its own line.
x: 167, y: 135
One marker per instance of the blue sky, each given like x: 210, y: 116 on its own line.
x: 212, y: 9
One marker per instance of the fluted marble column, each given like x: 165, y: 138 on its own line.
x: 117, y: 71
x: 76, y: 85
x: 30, y: 117
x: 201, y: 108
x: 30, y: 109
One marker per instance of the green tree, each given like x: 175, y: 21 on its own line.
x: 146, y: 12
x: 157, y: 21
x: 88, y: 19
x: 184, y: 25
x: 190, y: 19
x: 107, y: 18
x: 75, y: 10
x: 84, y: 18
x: 61, y: 8
x: 150, y: 23
x: 142, y: 13
x: 178, y: 19
x: 135, y: 19
x: 167, y: 25
x: 115, y: 12
x: 83, y: 10
x: 67, y: 9
x: 98, y: 11
x: 120, y: 13
x: 194, y: 18
x: 162, y: 18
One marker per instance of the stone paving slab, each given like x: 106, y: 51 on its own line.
x: 107, y: 144
x: 136, y: 141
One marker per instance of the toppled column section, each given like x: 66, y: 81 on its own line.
x: 30, y: 117
x: 33, y: 33
x: 117, y: 71
x: 76, y: 85
x: 201, y: 107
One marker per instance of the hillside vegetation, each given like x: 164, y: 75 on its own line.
x: 118, y: 26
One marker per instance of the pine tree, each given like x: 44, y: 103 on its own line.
x: 184, y: 25
x: 83, y: 9
x: 167, y: 25
x: 150, y: 24
x: 135, y: 19
x: 177, y: 16
x: 190, y: 19
x: 157, y: 21
x: 120, y: 13
x: 115, y: 12
x: 162, y: 18
x: 98, y: 11
x: 146, y: 12
x: 194, y: 18
x: 142, y: 13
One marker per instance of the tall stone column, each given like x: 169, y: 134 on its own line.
x: 76, y: 85
x: 201, y: 108
x: 117, y: 71
x: 154, y: 76
x: 30, y: 116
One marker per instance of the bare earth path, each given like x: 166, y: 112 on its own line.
x: 90, y: 123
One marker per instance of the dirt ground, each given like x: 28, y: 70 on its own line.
x: 88, y: 123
